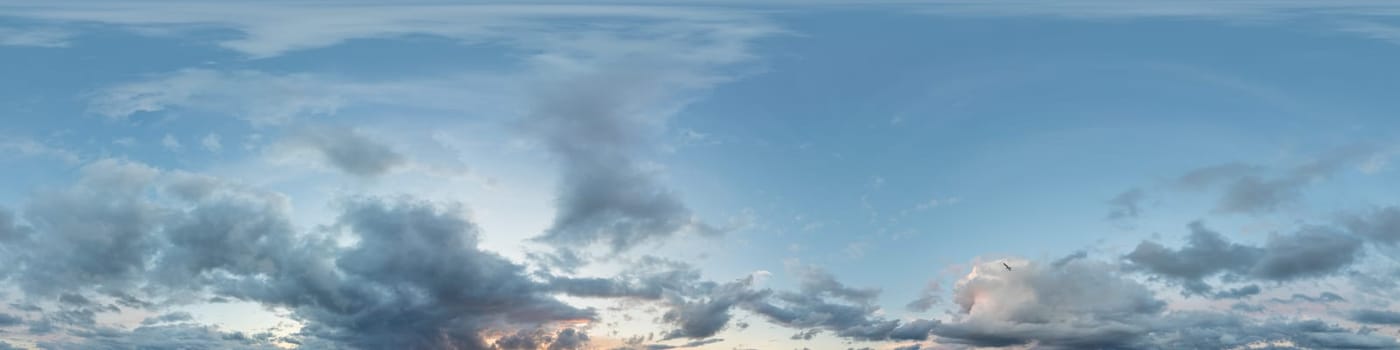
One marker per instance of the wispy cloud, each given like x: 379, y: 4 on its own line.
x: 36, y: 37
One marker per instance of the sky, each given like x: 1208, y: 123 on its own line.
x: 922, y: 174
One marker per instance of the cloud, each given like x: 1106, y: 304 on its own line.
x: 1381, y: 317
x: 170, y: 142
x: 705, y: 315
x: 259, y: 98
x: 211, y: 143
x: 410, y: 260
x: 349, y: 150
x: 928, y: 297
x: 31, y: 148
x: 1324, y: 297
x: 1206, y: 253
x: 1309, y: 252
x: 598, y: 114
x: 35, y: 37
x: 95, y: 233
x: 535, y: 339
x: 821, y: 302
x: 8, y: 320
x: 1251, y: 189
x: 1379, y: 225
x: 1127, y: 204
x: 10, y: 230
x: 1088, y: 304
x: 1371, y: 29
x: 1238, y: 293
x: 164, y: 337
x: 168, y: 318
x: 1049, y: 306
x: 596, y: 96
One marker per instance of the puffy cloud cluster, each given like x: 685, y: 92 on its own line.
x: 701, y: 309
x: 126, y: 233
x: 1088, y: 304
x: 1307, y: 253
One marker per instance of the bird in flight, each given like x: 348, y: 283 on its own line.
x: 1008, y: 267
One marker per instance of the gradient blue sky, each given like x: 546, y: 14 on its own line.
x: 890, y: 146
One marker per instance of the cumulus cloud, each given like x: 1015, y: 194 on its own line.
x: 1309, y: 252
x: 1088, y: 304
x: 536, y: 339
x: 414, y: 276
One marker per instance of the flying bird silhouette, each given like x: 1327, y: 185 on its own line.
x: 1008, y: 267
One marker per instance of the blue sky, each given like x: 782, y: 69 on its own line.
x: 704, y: 175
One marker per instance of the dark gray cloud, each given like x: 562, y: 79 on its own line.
x: 821, y: 302
x: 1238, y: 293
x: 168, y: 318
x: 1324, y: 297
x: 92, y: 234
x: 414, y: 277
x: 569, y: 339
x: 1379, y: 225
x: 8, y: 320
x: 707, y: 314
x: 1384, y: 317
x: 806, y: 334
x: 1246, y: 307
x: 598, y: 124
x: 10, y: 230
x: 1253, y: 189
x: 1206, y: 253
x: 535, y: 339
x: 350, y: 151
x: 1126, y: 205
x: 1311, y: 251
x: 700, y: 309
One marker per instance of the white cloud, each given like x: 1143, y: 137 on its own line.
x: 211, y: 143
x: 170, y: 142
x: 31, y: 148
